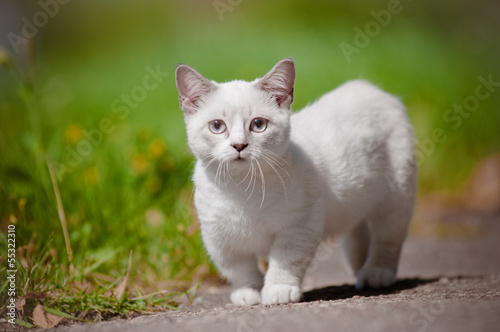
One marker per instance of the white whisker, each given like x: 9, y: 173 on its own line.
x: 229, y: 173
x: 251, y: 176
x: 263, y: 183
x: 254, y: 178
x: 270, y: 163
x: 226, y: 171
x: 211, y: 161
x: 277, y: 157
x: 276, y: 161
x: 218, y: 174
x: 246, y: 176
x: 191, y: 176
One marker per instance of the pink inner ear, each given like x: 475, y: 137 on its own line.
x: 279, y: 82
x: 281, y: 98
x: 192, y: 86
x: 280, y: 91
x: 186, y: 103
x: 194, y: 97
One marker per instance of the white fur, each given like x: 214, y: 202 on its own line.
x: 342, y: 166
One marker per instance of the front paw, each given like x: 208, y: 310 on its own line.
x: 245, y: 296
x: 276, y: 294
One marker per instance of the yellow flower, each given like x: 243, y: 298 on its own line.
x: 157, y: 148
x: 22, y: 203
x: 140, y: 163
x: 73, y: 134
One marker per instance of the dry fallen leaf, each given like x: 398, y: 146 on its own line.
x: 44, y: 319
x: 20, y: 302
x: 119, y: 289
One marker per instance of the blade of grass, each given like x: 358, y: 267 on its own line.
x: 119, y: 291
x: 63, y: 314
x: 142, y: 297
x: 187, y: 292
x: 21, y: 322
x: 60, y: 211
x: 106, y: 258
x: 5, y: 284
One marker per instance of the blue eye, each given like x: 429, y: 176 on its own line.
x: 258, y: 125
x: 217, y: 126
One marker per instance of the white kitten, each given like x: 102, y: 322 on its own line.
x: 272, y: 184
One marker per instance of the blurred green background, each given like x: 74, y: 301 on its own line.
x: 81, y: 94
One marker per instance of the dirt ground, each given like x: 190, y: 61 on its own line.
x: 449, y: 280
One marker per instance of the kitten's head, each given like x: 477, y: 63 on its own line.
x: 237, y: 122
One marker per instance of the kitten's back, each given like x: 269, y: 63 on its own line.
x: 356, y: 120
x: 361, y: 142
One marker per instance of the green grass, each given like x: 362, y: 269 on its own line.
x: 131, y: 191
x: 89, y: 297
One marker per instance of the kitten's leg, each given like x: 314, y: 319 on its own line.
x: 387, y: 231
x: 356, y: 244
x: 288, y: 261
x: 245, y: 277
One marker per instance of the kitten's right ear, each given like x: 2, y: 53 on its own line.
x: 192, y: 87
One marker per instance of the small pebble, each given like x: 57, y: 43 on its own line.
x: 444, y: 280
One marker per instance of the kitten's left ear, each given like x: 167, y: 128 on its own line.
x: 192, y: 87
x: 279, y: 82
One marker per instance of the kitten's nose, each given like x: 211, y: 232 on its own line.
x: 239, y: 147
